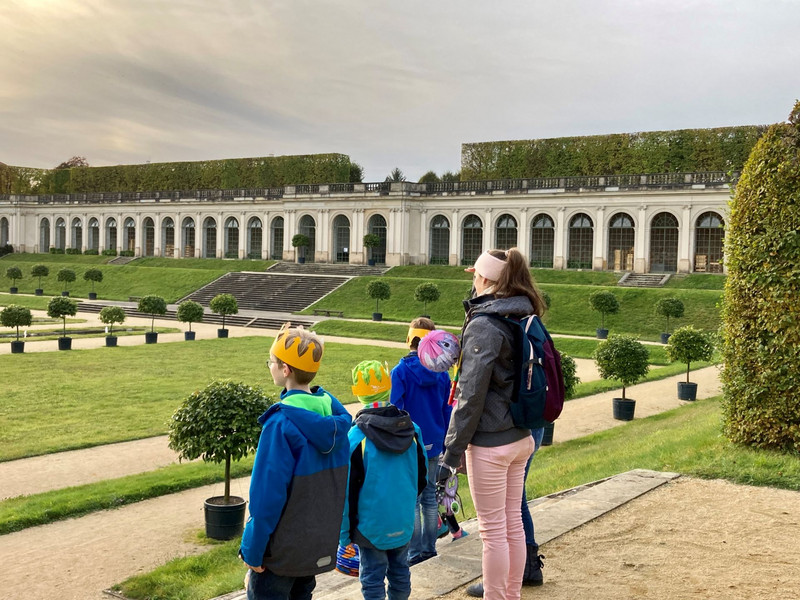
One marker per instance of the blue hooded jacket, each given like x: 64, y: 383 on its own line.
x: 298, y: 486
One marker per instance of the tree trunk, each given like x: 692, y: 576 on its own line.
x: 227, y: 478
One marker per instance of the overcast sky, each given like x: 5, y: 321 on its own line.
x: 401, y: 83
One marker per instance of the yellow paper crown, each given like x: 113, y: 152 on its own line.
x: 378, y: 382
x: 415, y: 332
x: 291, y: 355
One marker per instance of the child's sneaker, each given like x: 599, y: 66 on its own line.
x: 443, y: 529
x: 461, y: 533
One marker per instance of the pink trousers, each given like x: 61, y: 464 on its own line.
x: 496, y: 482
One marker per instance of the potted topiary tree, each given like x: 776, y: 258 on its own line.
x: 668, y: 307
x: 224, y: 304
x: 688, y: 344
x: 60, y: 307
x: 14, y: 273
x: 605, y: 303
x: 370, y: 241
x: 152, y: 305
x: 16, y: 316
x: 426, y: 292
x: 40, y: 271
x: 570, y: 371
x: 301, y: 242
x: 110, y: 315
x: 220, y: 424
x: 190, y: 312
x: 66, y: 276
x: 624, y: 358
x: 378, y: 290
x: 95, y: 276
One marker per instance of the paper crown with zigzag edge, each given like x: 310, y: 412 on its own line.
x: 416, y: 332
x: 291, y: 355
x: 378, y: 382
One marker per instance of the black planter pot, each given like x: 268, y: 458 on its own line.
x: 377, y: 316
x: 602, y: 334
x: 13, y: 290
x: 301, y: 260
x: 65, y: 343
x: 624, y: 409
x: 222, y: 333
x: 111, y: 341
x: 39, y: 292
x: 547, y: 438
x: 687, y: 391
x: 17, y: 347
x: 188, y: 336
x: 65, y: 293
x: 224, y: 521
x: 92, y: 295
x: 665, y: 337
x: 371, y: 262
x: 151, y: 337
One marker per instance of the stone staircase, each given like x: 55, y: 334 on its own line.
x: 121, y: 260
x: 643, y: 280
x: 343, y: 270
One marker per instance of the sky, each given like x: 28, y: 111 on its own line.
x: 391, y: 84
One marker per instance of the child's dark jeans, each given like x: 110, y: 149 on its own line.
x: 269, y: 586
x: 379, y: 565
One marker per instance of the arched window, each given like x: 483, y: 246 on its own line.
x: 505, y: 232
x: 542, y: 241
x: 210, y: 238
x: 3, y: 231
x: 61, y: 234
x: 308, y: 227
x: 130, y: 235
x: 440, y: 241
x: 664, y: 243
x: 581, y: 241
x: 276, y: 229
x: 341, y: 239
x: 168, y: 237
x: 471, y: 240
x: 44, y: 235
x: 94, y: 235
x: 76, y: 234
x: 377, y: 226
x: 149, y: 237
x: 189, y: 239
x: 621, y: 235
x: 111, y: 234
x: 709, y: 236
x: 231, y: 238
x: 254, y: 238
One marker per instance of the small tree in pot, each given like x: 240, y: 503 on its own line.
x: 95, y: 276
x: 16, y: 316
x: 61, y: 307
x: 605, y: 303
x: 570, y: 371
x: 14, y: 273
x: 66, y: 276
x: 110, y: 315
x: 40, y: 271
x: 301, y: 242
x: 688, y: 344
x: 668, y: 307
x: 152, y: 305
x: 220, y: 424
x: 224, y: 304
x: 378, y: 290
x: 190, y: 312
x: 624, y: 358
x: 370, y: 241
x: 426, y: 292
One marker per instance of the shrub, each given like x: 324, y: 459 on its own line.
x: 16, y: 316
x: 14, y: 273
x: 110, y: 315
x: 605, y: 303
x: 669, y: 307
x: 60, y: 307
x: 66, y: 276
x: 127, y: 253
x: 761, y: 312
x: 224, y: 304
x: 93, y: 275
x: 378, y: 290
x: 90, y: 252
x: 570, y: 371
x: 109, y: 252
x: 72, y: 251
x: 426, y: 292
x: 40, y: 271
x: 190, y: 312
x: 152, y: 305
x: 688, y: 344
x: 56, y: 251
x: 623, y: 358
x: 7, y: 249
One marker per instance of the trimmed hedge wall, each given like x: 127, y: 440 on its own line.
x: 234, y: 173
x: 678, y: 151
x: 761, y: 311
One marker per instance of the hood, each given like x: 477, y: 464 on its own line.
x: 324, y: 433
x: 388, y: 427
x: 519, y: 306
x: 417, y: 373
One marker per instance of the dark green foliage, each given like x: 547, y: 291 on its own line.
x: 40, y: 271
x: 109, y: 252
x: 429, y: 177
x: 449, y: 176
x: 14, y: 273
x: 219, y: 424
x: 356, y: 173
x: 688, y: 344
x: 93, y: 275
x: 61, y: 307
x: 56, y: 251
x: 669, y: 307
x: 761, y: 311
x: 546, y: 297
x: 623, y: 358
x: 110, y: 315
x: 426, y: 292
x: 7, y: 249
x: 224, y: 304
x: 605, y: 303
x: 65, y: 276
x: 72, y: 251
x: 678, y: 151
x: 152, y: 305
x: 190, y: 312
x: 378, y: 290
x: 395, y: 176
x: 16, y: 316
x: 570, y: 371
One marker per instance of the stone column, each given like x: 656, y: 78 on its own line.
x: 641, y: 254
x: 488, y: 231
x: 523, y: 235
x: 686, y: 241
x: 600, y: 249
x: 455, y: 238
x: 424, y: 238
x: 358, y: 254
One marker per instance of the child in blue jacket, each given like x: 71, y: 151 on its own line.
x: 387, y: 472
x: 299, y: 480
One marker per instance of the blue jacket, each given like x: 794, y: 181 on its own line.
x: 388, y: 470
x: 298, y: 486
x: 423, y: 394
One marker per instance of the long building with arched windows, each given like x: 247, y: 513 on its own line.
x: 639, y: 223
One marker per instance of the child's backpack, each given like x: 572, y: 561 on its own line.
x: 539, y: 385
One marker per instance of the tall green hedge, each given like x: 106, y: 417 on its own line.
x: 761, y: 310
x: 678, y: 151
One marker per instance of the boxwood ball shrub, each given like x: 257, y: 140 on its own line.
x: 624, y: 358
x: 761, y: 311
x: 426, y: 292
x: 378, y: 290
x: 605, y: 303
x: 61, y: 307
x: 65, y: 276
x: 224, y: 304
x: 687, y: 345
x: 40, y: 271
x: 669, y: 308
x: 152, y: 305
x: 110, y: 315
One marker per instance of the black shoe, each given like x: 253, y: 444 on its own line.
x: 475, y: 590
x: 415, y: 560
x: 533, y: 566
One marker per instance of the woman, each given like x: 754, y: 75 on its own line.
x: 481, y: 426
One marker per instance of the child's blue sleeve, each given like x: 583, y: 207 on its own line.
x: 398, y: 394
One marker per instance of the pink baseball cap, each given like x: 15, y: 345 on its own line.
x: 488, y: 266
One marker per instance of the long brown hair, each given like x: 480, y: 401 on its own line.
x: 516, y: 280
